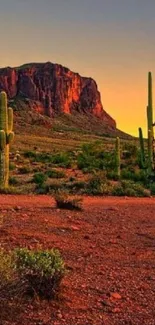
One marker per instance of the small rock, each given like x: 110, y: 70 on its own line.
x: 116, y: 310
x: 24, y: 215
x: 115, y: 295
x: 17, y: 208
x: 75, y: 228
x: 59, y: 315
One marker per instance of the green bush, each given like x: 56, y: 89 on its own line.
x: 42, y: 188
x: 38, y: 157
x: 12, y: 166
x: 129, y: 150
x: 6, y: 267
x: 61, y: 159
x: 131, y: 174
x: 98, y: 185
x: 30, y: 154
x: 112, y: 175
x: 41, y: 271
x: 93, y: 157
x: 39, y: 178
x: 53, y: 173
x: 13, y: 180
x: 129, y: 188
x: 75, y: 185
x: 118, y: 190
x: 152, y: 189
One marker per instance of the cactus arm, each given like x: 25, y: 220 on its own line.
x: 2, y: 139
x: 10, y: 137
x: 150, y: 89
x: 10, y: 119
x: 150, y: 104
x: 3, y: 112
x: 150, y: 156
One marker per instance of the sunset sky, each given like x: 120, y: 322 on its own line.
x: 111, y: 41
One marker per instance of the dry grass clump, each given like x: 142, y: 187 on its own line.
x: 64, y: 201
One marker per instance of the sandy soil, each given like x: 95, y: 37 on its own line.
x: 109, y: 251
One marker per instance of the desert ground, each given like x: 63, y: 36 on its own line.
x: 109, y: 253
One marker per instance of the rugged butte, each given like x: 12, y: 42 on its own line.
x: 52, y: 90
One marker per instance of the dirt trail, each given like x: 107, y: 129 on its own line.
x: 109, y: 251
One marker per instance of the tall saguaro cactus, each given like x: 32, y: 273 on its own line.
x: 150, y: 105
x: 150, y: 125
x: 6, y: 137
x: 117, y: 156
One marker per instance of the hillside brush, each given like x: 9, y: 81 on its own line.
x: 117, y: 157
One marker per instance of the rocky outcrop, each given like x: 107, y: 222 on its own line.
x: 54, y: 89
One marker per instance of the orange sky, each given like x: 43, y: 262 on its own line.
x: 111, y: 41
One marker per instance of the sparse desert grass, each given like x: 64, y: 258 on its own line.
x: 64, y: 201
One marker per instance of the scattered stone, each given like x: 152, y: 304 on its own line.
x: 115, y: 295
x: 116, y: 310
x: 17, y: 208
x: 75, y: 228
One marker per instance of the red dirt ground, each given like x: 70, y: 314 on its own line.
x: 108, y: 248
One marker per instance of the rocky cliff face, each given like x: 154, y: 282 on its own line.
x: 54, y: 89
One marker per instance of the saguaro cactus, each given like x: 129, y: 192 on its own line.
x: 150, y: 105
x: 150, y: 155
x: 117, y: 156
x: 151, y: 142
x: 6, y: 137
x: 150, y: 125
x: 142, y: 151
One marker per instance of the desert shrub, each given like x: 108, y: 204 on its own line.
x: 112, y: 175
x: 64, y: 201
x: 76, y: 185
x: 39, y: 178
x: 61, y: 159
x: 131, y: 174
x: 93, y: 157
x: 12, y: 166
x: 30, y: 154
x: 129, y: 191
x: 140, y: 190
x: 129, y: 150
x: 42, y: 188
x: 118, y: 190
x: 129, y: 188
x: 41, y: 271
x: 6, y: 267
x: 152, y: 189
x: 55, y: 186
x: 13, y: 180
x: 126, y: 174
x: 38, y: 157
x: 98, y: 185
x: 53, y: 173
